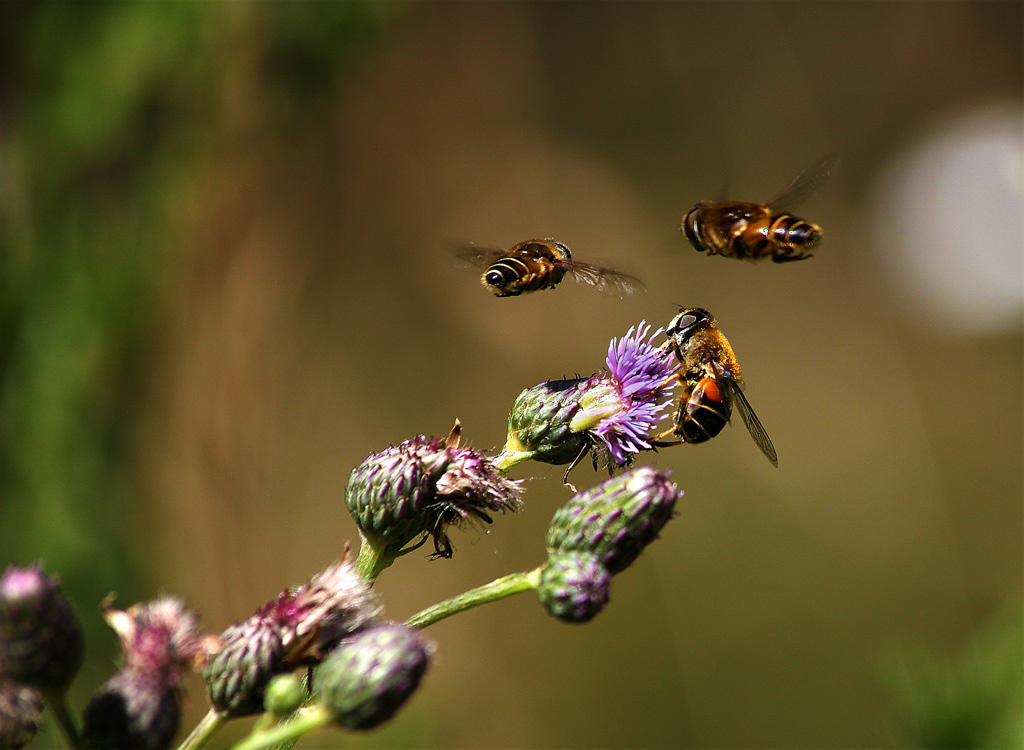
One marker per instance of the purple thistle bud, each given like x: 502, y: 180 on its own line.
x: 616, y: 519
x: 421, y: 487
x: 41, y: 642
x: 296, y: 629
x: 21, y: 707
x: 133, y: 709
x: 368, y: 677
x: 237, y: 675
x: 140, y: 706
x: 574, y: 586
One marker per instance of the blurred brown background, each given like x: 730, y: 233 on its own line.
x: 228, y: 279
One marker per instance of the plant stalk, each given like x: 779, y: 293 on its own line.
x: 513, y: 583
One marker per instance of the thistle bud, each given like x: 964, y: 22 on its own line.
x: 539, y: 425
x: 616, y: 519
x: 284, y: 695
x: 574, y: 586
x: 20, y: 710
x: 133, y: 709
x: 294, y: 630
x: 41, y: 642
x: 237, y: 675
x: 422, y: 486
x: 140, y: 706
x: 368, y: 677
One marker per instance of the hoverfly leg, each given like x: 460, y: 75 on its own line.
x: 575, y: 462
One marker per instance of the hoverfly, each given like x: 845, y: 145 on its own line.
x: 541, y: 264
x: 752, y: 231
x: 711, y: 381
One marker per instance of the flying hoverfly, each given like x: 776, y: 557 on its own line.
x: 752, y: 231
x: 541, y: 264
x: 711, y: 381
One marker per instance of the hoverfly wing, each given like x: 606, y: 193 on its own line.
x: 604, y: 279
x: 479, y: 257
x: 804, y: 185
x: 753, y: 424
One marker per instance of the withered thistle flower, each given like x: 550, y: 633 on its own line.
x: 612, y: 413
x: 21, y: 707
x: 574, y: 586
x: 294, y: 630
x: 368, y: 677
x: 616, y: 519
x: 140, y: 706
x: 421, y: 487
x: 41, y: 641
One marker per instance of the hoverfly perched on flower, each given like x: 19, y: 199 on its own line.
x: 541, y: 264
x: 711, y: 381
x: 752, y: 231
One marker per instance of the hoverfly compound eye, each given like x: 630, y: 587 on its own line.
x: 686, y: 321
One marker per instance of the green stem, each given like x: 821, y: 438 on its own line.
x: 373, y: 558
x: 513, y: 583
x: 204, y: 730
x: 58, y: 705
x: 315, y: 717
x: 507, y: 459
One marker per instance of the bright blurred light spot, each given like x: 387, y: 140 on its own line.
x: 948, y: 217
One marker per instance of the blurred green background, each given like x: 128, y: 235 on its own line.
x: 225, y: 243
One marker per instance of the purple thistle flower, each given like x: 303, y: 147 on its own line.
x: 625, y: 404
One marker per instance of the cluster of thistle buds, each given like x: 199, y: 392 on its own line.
x: 322, y: 654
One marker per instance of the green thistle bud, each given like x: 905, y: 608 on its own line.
x: 133, y: 709
x: 421, y: 487
x: 20, y: 710
x: 284, y: 695
x: 616, y: 519
x: 574, y: 586
x: 41, y: 642
x: 294, y: 630
x: 368, y: 677
x: 540, y: 424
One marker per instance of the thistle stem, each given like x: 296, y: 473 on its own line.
x: 204, y: 730
x: 507, y: 459
x: 315, y: 717
x: 373, y: 558
x: 513, y: 583
x: 57, y: 702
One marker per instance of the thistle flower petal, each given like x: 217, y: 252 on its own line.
x: 616, y: 519
x: 41, y: 641
x: 639, y: 372
x: 574, y: 586
x: 423, y: 486
x: 370, y: 676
